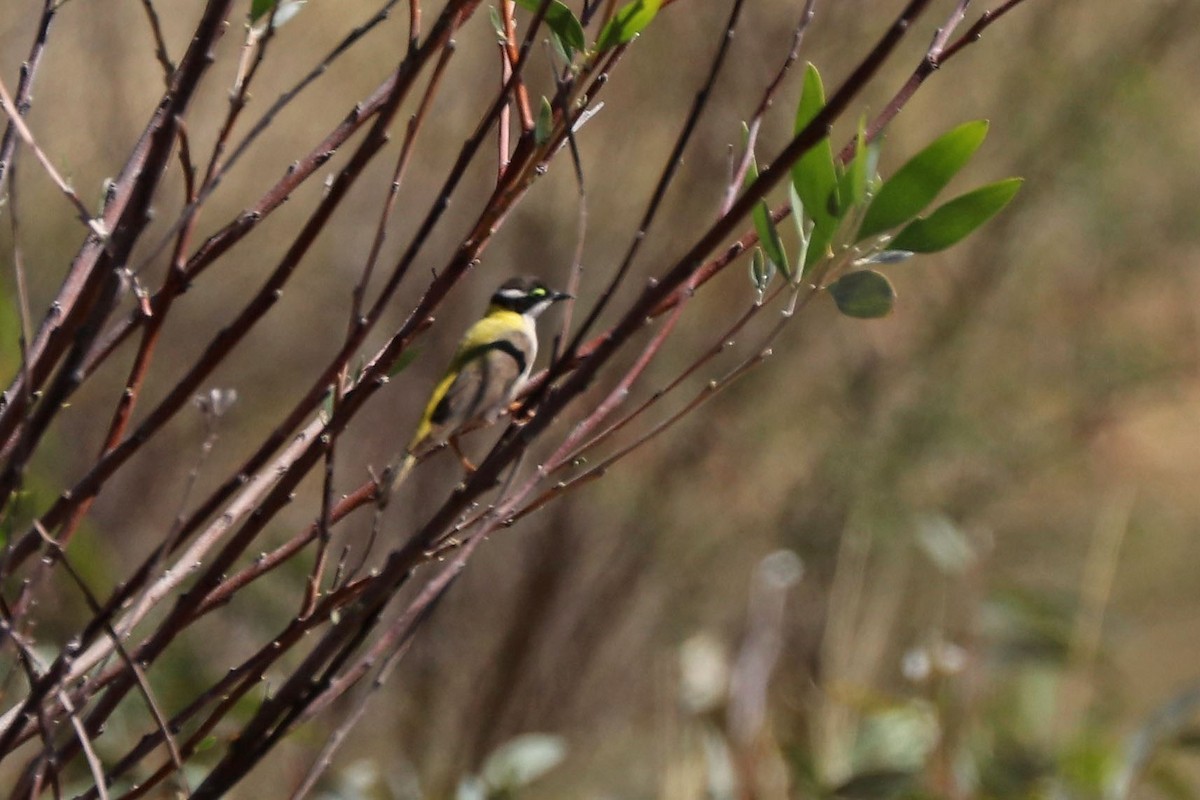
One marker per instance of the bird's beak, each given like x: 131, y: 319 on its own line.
x: 562, y: 296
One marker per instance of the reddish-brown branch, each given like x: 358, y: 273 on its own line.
x: 339, y: 643
x: 183, y: 390
x: 332, y: 652
x: 220, y: 242
x: 512, y: 55
x: 251, y: 313
x: 738, y: 176
x: 125, y: 215
x: 939, y: 53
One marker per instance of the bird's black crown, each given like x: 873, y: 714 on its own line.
x: 524, y: 293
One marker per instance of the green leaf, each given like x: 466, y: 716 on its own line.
x: 545, y: 123
x: 258, y: 8
x: 406, y: 358
x: 628, y: 22
x: 813, y: 175
x: 762, y: 272
x: 284, y: 11
x: 802, y: 230
x: 864, y: 294
x: 497, y: 24
x: 818, y: 245
x: 852, y: 187
x: 562, y: 21
x: 955, y: 220
x: 326, y: 410
x: 768, y: 234
x: 915, y: 184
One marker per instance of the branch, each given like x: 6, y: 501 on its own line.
x: 25, y: 86
x: 14, y: 119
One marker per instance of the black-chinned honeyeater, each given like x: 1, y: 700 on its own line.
x: 493, y: 360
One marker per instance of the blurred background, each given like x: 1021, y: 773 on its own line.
x: 987, y: 503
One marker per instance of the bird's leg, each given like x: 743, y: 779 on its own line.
x: 466, y: 462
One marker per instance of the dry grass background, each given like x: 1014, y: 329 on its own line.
x: 1038, y: 385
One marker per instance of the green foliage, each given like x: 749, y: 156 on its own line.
x: 768, y: 234
x: 562, y: 23
x: 762, y: 272
x: 545, y: 123
x: 813, y: 175
x: 864, y: 294
x: 955, y: 220
x: 284, y: 10
x: 828, y: 199
x: 853, y: 182
x: 915, y: 184
x: 627, y: 23
x: 259, y: 8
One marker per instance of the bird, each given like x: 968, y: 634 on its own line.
x: 493, y: 360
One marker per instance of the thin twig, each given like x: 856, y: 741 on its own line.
x: 160, y: 44
x: 575, y: 273
x: 738, y: 175
x: 96, y: 226
x: 25, y: 86
x: 27, y: 658
x: 389, y: 203
x: 85, y: 743
x: 938, y: 54
x: 312, y: 589
x: 83, y: 299
x: 133, y: 666
x: 391, y: 646
x: 227, y: 236
x: 437, y: 39
x: 699, y: 103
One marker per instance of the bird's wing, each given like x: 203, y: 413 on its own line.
x: 492, y: 358
x: 483, y: 386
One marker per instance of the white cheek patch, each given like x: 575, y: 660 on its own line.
x: 540, y: 307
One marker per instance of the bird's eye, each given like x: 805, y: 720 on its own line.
x: 538, y: 292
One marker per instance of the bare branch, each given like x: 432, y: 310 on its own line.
x: 160, y: 44
x: 96, y: 226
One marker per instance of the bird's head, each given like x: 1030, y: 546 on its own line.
x: 526, y: 295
